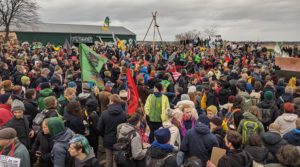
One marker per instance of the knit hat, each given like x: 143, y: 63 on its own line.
x: 4, y: 98
x: 24, y: 80
x: 55, y: 125
x: 289, y: 107
x: 212, y: 109
x: 7, y: 84
x: 216, y: 121
x: 159, y: 86
x: 72, y: 84
x: 44, y: 85
x: 17, y: 105
x: 162, y: 135
x: 268, y: 95
x: 7, y: 133
x: 274, y: 128
x: 192, y: 89
x: 185, y: 97
x: 134, y: 119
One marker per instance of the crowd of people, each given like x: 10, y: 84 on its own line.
x: 191, y: 99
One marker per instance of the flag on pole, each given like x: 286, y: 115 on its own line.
x: 67, y: 47
x: 105, y: 27
x: 91, y: 64
x: 132, y: 95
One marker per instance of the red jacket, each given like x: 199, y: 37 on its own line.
x: 5, y: 114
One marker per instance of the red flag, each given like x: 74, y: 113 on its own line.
x: 132, y: 96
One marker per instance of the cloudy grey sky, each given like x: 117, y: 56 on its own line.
x: 236, y: 19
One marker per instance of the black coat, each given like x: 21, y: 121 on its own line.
x: 108, y: 122
x: 22, y: 128
x: 159, y: 153
x: 236, y: 158
x: 259, y: 154
x: 44, y: 144
x: 275, y: 112
x: 74, y: 122
x: 273, y: 141
x: 31, y: 109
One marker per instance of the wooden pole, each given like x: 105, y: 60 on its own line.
x: 147, y: 30
x: 154, y: 18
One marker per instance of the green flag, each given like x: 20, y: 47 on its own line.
x: 91, y: 64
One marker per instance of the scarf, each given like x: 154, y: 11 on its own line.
x: 167, y: 147
x: 183, y: 128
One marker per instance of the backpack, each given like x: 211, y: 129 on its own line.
x: 265, y: 115
x: 228, y: 121
x: 122, y: 150
x: 153, y: 162
x: 249, y: 128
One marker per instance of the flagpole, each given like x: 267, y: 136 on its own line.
x: 154, y: 25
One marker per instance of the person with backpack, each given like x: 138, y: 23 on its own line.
x: 250, y: 124
x: 160, y: 154
x: 293, y: 137
x: 82, y: 153
x: 107, y: 126
x: 268, y: 109
x: 129, y: 149
x: 199, y: 142
x: 235, y: 156
x: 287, y: 120
x: 246, y: 98
x: 45, y: 91
x: 61, y: 137
x: 234, y: 115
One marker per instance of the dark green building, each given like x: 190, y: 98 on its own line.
x: 58, y: 33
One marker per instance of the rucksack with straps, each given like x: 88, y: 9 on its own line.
x: 122, y: 149
x: 154, y: 162
x: 249, y: 128
x: 228, y: 121
x: 265, y: 115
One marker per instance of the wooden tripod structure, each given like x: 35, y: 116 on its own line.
x: 155, y: 28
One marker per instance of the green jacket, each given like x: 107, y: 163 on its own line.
x: 165, y: 106
x: 42, y: 95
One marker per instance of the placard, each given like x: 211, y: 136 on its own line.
x: 7, y: 161
x: 216, y: 155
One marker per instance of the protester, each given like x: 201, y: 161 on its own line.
x: 74, y: 118
x: 5, y: 108
x: 287, y: 121
x: 293, y: 137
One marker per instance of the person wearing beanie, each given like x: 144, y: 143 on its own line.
x: 199, y: 142
x: 155, y: 109
x: 268, y: 95
x: 5, y: 108
x: 293, y: 137
x: 217, y: 130
x: 161, y: 150
x: 45, y: 91
x: 25, y: 81
x: 82, y: 152
x: 10, y: 146
x: 72, y: 84
x: 287, y: 120
x: 173, y: 124
x: 272, y: 140
x: 21, y: 123
x: 129, y: 130
x: 61, y: 137
x: 250, y: 120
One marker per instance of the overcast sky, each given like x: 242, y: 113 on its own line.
x: 236, y: 19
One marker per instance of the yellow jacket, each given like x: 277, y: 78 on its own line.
x: 165, y: 106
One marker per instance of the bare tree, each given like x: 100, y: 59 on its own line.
x: 211, y: 30
x: 187, y: 35
x: 17, y: 12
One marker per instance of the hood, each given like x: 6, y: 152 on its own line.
x: 5, y: 106
x: 125, y: 130
x: 114, y: 109
x: 202, y: 128
x: 157, y: 153
x: 271, y: 138
x: 296, y: 135
x: 46, y: 92
x: 289, y: 117
x: 83, y: 95
x: 64, y: 136
x: 249, y: 116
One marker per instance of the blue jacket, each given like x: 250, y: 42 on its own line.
x: 293, y: 137
x: 199, y: 142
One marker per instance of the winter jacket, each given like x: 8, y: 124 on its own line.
x: 165, y: 106
x: 160, y: 153
x: 236, y: 158
x: 19, y: 152
x: 62, y: 104
x: 220, y: 134
x: 272, y: 141
x: 137, y: 151
x: 293, y: 137
x: 274, y: 111
x: 175, y: 139
x: 246, y: 97
x: 44, y: 144
x: 287, y: 122
x: 259, y: 154
x: 31, y: 109
x: 22, y: 128
x: 41, y: 80
x: 212, y: 100
x: 42, y: 95
x: 74, y: 122
x: 5, y: 114
x: 108, y: 122
x: 183, y: 82
x: 199, y: 142
x: 59, y: 153
x: 89, y: 161
x: 250, y: 117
